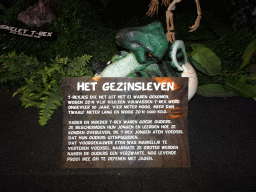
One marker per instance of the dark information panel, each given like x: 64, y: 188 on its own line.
x: 125, y: 122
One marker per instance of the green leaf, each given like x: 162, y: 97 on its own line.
x: 207, y: 59
x: 252, y: 78
x: 44, y: 98
x: 198, y: 66
x: 31, y: 94
x: 1, y: 7
x: 254, y: 87
x: 248, y: 53
x: 243, y: 78
x: 28, y: 105
x: 214, y: 90
x: 239, y: 87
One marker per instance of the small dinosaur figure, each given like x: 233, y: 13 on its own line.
x: 39, y: 14
x: 170, y: 35
x: 147, y: 46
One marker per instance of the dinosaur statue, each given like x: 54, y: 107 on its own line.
x: 170, y: 35
x: 147, y: 46
x: 39, y: 14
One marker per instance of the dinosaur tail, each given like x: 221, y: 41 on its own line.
x: 179, y: 61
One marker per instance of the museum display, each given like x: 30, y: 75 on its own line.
x: 170, y: 35
x: 125, y: 122
x: 148, y: 46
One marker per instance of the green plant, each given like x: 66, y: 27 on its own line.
x: 2, y: 7
x: 78, y: 30
x: 241, y: 81
x: 40, y: 81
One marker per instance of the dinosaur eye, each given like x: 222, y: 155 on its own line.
x: 150, y: 55
x: 134, y: 45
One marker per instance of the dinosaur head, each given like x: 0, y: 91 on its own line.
x: 147, y: 43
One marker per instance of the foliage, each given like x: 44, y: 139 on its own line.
x: 78, y: 28
x: 1, y: 7
x: 41, y: 82
x: 241, y: 81
x: 38, y: 77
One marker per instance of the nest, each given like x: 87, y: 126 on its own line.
x: 38, y: 14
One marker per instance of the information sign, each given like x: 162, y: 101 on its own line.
x: 125, y: 122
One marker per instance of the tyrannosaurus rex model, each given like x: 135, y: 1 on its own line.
x: 146, y: 48
x: 170, y: 35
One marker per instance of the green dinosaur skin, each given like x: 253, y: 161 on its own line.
x: 143, y: 41
x: 147, y: 47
